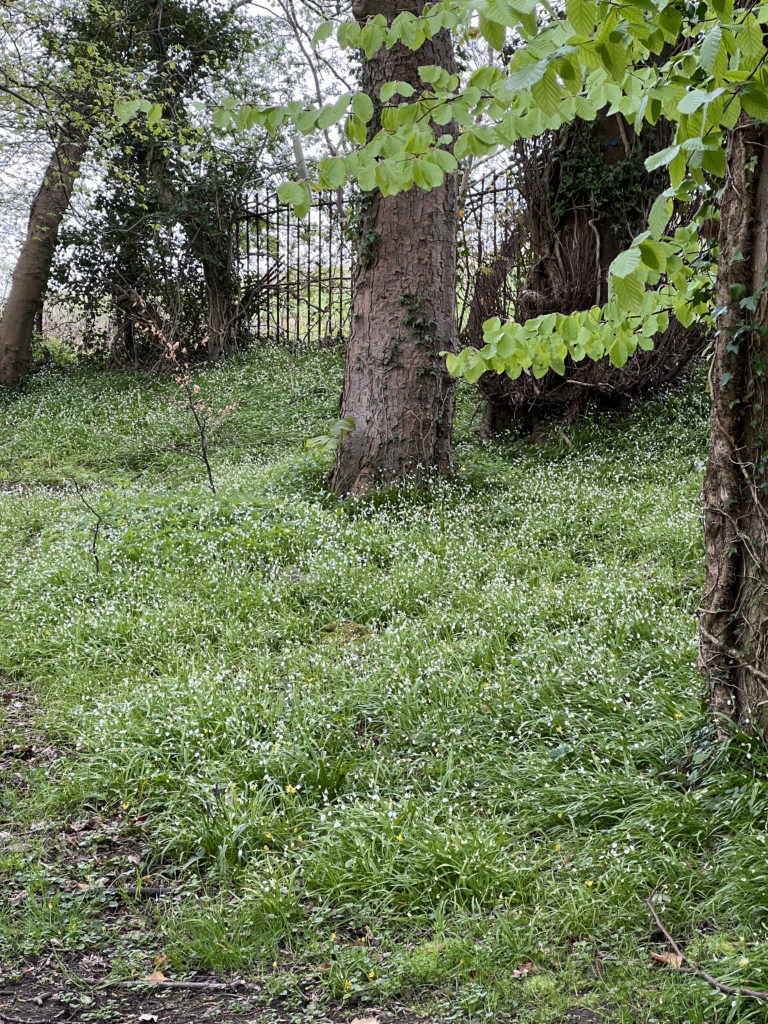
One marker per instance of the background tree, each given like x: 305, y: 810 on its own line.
x: 59, y: 65
x: 157, y: 241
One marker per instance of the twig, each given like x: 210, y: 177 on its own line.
x: 18, y: 1020
x: 695, y: 969
x: 211, y: 985
x: 99, y: 520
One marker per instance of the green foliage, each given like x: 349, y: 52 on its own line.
x: 334, y: 438
x: 413, y: 700
x: 695, y: 69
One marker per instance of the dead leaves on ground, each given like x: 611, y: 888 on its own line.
x: 668, y: 959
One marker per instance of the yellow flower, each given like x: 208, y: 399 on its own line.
x: 678, y: 715
x: 269, y: 835
x: 333, y: 936
x: 126, y: 806
x: 559, y: 815
x: 50, y: 906
x: 275, y: 964
x: 559, y: 729
x: 265, y: 846
x: 290, y: 789
x: 744, y: 961
x: 372, y: 974
x: 590, y: 883
x: 399, y: 839
x: 557, y: 846
x: 347, y: 984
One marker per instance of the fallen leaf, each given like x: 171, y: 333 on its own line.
x: 155, y: 977
x: 669, y: 959
x: 133, y: 858
x: 160, y: 961
x: 83, y: 885
x: 529, y: 968
x: 365, y: 1020
x: 147, y: 1016
x: 325, y: 967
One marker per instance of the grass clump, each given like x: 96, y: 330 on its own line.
x: 435, y: 746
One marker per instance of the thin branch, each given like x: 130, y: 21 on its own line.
x: 99, y: 520
x: 695, y: 969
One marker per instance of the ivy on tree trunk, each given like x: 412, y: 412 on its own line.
x: 396, y: 387
x: 733, y: 653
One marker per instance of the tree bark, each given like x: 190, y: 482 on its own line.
x: 30, y: 276
x: 396, y: 387
x: 732, y: 652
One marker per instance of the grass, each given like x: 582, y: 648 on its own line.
x: 466, y: 722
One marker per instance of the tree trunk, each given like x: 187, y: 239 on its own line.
x: 222, y: 314
x: 732, y: 652
x: 30, y: 276
x: 396, y: 387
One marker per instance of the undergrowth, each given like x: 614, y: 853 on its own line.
x: 415, y: 743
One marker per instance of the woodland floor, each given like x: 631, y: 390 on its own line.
x: 422, y: 756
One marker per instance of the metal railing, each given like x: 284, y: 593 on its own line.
x: 301, y: 269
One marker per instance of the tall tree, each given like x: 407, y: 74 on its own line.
x: 734, y: 621
x: 396, y: 388
x: 30, y: 275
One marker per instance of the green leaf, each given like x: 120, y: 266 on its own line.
x: 659, y: 216
x: 331, y: 115
x: 306, y: 122
x: 653, y: 255
x: 547, y: 94
x: 371, y: 38
x: 582, y: 15
x: 323, y: 32
x: 754, y: 101
x: 494, y: 33
x: 362, y: 105
x: 391, y: 88
x: 710, y: 48
x: 332, y: 172
x: 356, y: 131
x: 221, y: 117
x: 663, y: 157
x: 292, y: 192
x: 692, y: 100
x: 525, y: 77
x: 626, y: 263
x: 750, y: 39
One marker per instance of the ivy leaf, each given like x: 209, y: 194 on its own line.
x: 155, y: 113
